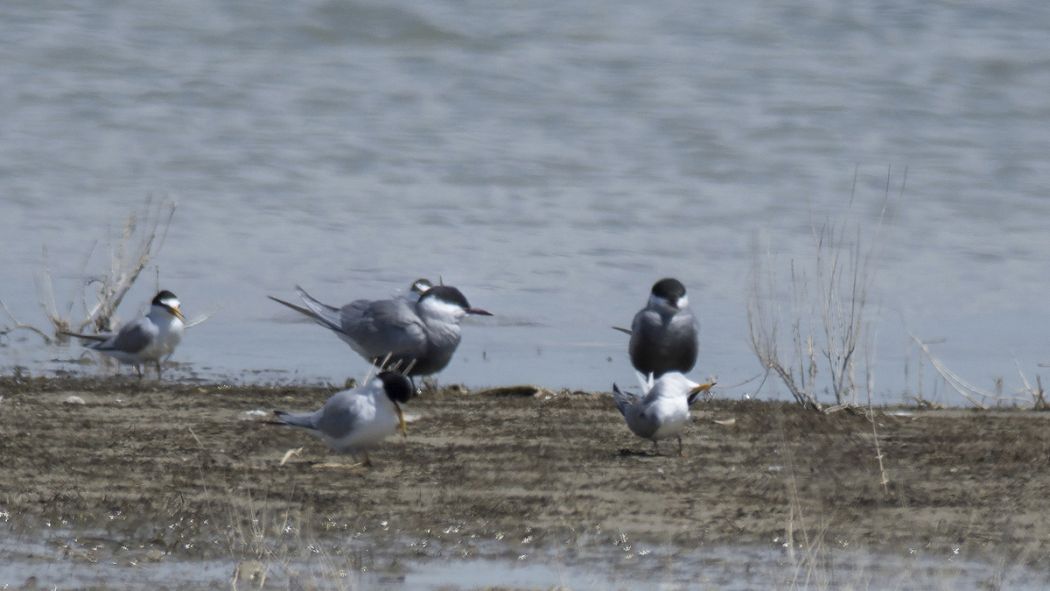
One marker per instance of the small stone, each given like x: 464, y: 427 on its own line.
x: 249, y: 571
x: 255, y: 415
x: 73, y: 399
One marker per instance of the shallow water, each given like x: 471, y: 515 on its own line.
x: 97, y: 559
x: 552, y: 160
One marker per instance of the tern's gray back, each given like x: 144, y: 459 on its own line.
x: 378, y: 328
x: 663, y: 343
x: 132, y: 338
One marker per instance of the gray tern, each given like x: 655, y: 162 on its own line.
x: 664, y: 333
x: 417, y: 337
x: 663, y: 411
x: 148, y: 339
x: 357, y: 420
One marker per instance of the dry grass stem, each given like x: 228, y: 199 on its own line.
x: 869, y: 387
x: 806, y: 552
x: 201, y: 319
x: 763, y: 330
x: 827, y: 315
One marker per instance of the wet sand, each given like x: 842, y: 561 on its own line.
x: 190, y: 472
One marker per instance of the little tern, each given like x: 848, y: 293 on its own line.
x: 358, y: 419
x: 663, y: 411
x: 150, y: 338
x: 664, y: 334
x: 417, y: 337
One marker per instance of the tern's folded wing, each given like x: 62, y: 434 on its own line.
x: 341, y: 414
x: 624, y: 400
x: 132, y: 338
x: 385, y: 326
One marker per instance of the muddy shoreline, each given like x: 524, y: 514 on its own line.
x: 191, y: 470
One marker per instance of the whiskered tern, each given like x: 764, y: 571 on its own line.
x: 417, y: 337
x: 664, y: 334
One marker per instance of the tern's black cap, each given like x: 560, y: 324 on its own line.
x: 447, y: 293
x: 162, y: 296
x: 669, y: 289
x: 396, y: 386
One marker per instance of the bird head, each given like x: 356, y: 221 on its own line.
x: 167, y: 301
x: 445, y: 301
x: 399, y: 390
x: 668, y: 293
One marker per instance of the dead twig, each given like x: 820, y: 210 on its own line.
x: 143, y: 235
x: 19, y: 325
x: 1037, y: 394
x: 124, y: 268
x: 965, y: 389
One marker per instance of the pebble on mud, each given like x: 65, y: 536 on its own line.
x: 250, y: 571
x: 73, y: 399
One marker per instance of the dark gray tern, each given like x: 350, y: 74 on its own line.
x: 418, y: 337
x: 664, y: 334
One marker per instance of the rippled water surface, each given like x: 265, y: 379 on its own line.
x: 99, y: 560
x: 551, y: 159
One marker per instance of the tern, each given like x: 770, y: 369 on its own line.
x: 663, y: 411
x: 664, y: 333
x: 357, y: 420
x: 417, y: 289
x: 418, y: 337
x: 148, y: 339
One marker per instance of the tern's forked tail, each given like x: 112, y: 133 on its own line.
x: 317, y: 311
x: 303, y: 420
x: 623, y: 399
x: 87, y: 337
